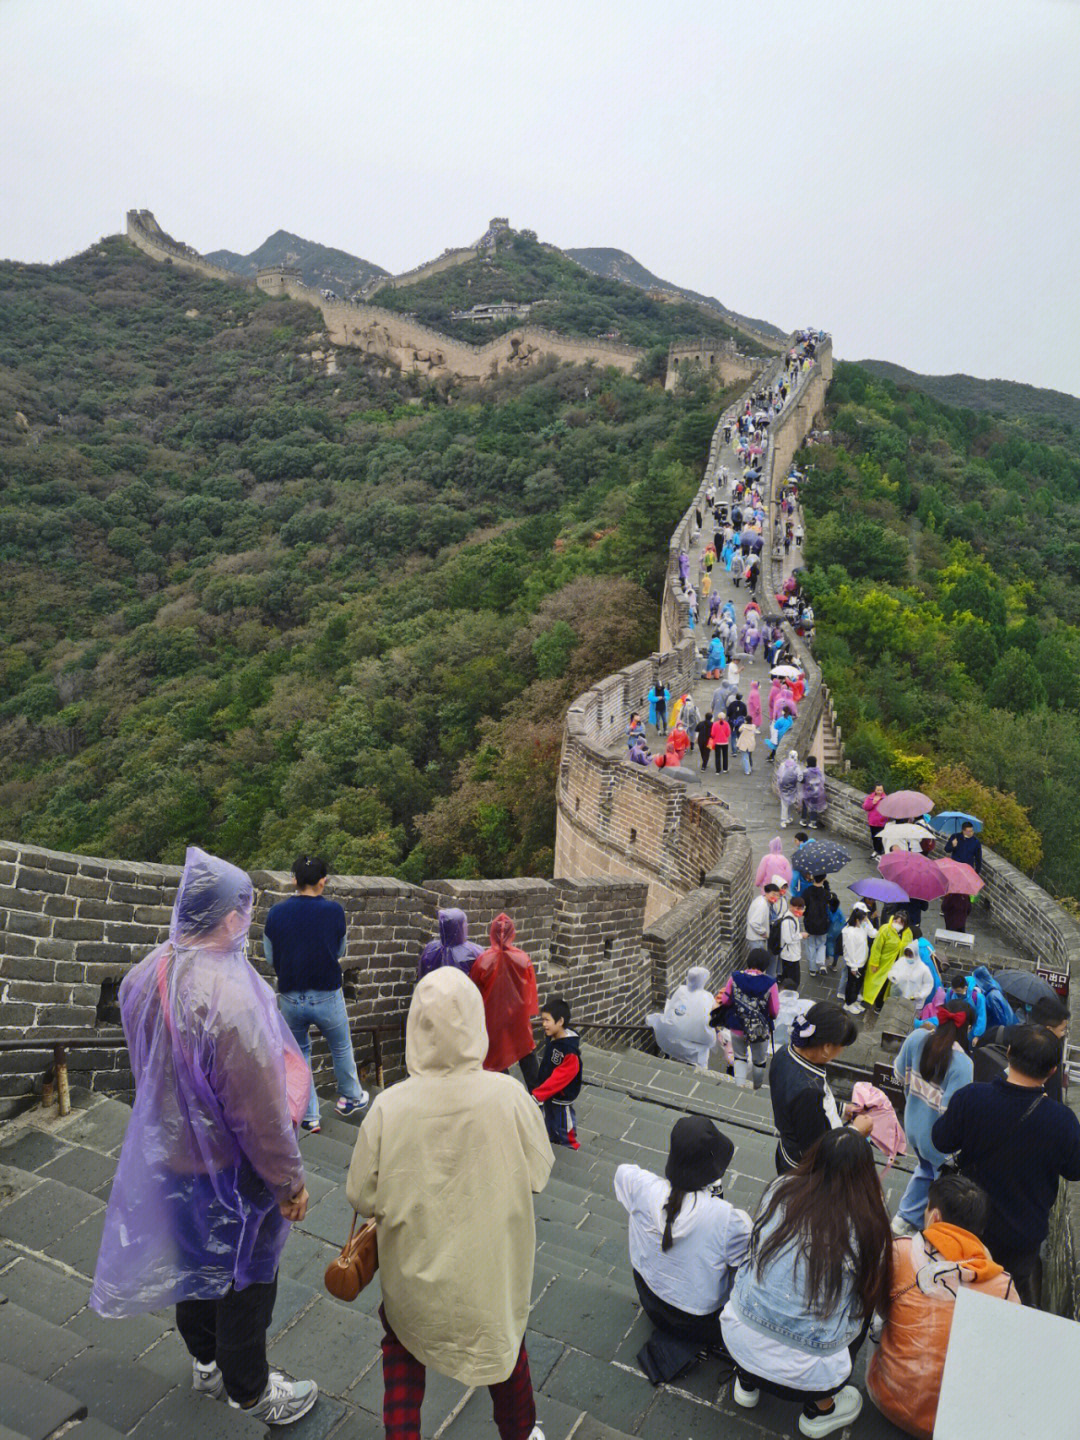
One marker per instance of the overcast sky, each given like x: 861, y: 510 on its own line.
x: 904, y: 175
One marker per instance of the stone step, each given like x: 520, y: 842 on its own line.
x: 35, y: 1346
x: 33, y: 1409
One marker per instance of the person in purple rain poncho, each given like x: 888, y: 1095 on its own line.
x: 812, y: 796
x: 684, y: 567
x: 210, y: 1175
x: 453, y: 947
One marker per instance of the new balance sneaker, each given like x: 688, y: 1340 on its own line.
x: 744, y: 1397
x: 848, y: 1403
x: 854, y: 1008
x: 206, y: 1379
x: 345, y: 1106
x: 283, y: 1401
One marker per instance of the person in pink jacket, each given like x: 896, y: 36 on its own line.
x: 875, y: 819
x: 753, y: 704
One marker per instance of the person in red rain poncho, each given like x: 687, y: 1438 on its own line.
x: 506, y: 980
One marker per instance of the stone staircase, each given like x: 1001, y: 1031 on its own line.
x: 65, y: 1371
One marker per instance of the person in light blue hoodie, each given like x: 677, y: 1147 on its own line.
x: 820, y: 1264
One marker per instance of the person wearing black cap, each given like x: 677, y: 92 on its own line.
x: 686, y: 1241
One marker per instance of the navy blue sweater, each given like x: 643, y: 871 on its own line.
x: 1018, y: 1166
x: 304, y: 938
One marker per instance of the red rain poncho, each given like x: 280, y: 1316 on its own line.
x: 220, y: 1084
x: 506, y: 980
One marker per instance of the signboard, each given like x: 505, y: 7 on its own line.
x: 1057, y: 979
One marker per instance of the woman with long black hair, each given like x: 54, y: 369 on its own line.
x: 932, y: 1065
x: 819, y: 1266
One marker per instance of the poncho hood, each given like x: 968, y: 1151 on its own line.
x: 212, y: 910
x: 446, y: 1031
x: 453, y: 928
x: 502, y: 932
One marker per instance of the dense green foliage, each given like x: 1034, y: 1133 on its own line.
x: 252, y: 605
x: 574, y: 302
x: 1001, y: 397
x: 944, y: 548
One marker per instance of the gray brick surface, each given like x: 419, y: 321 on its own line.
x: 122, y: 1339
x: 80, y: 1246
x: 589, y: 1314
x: 184, y: 1415
x: 111, y: 1388
x: 441, y: 1396
x: 34, y: 1345
x: 33, y: 1409
x: 51, y: 1210
x: 41, y: 1289
x: 329, y: 1343
x: 617, y: 1398
x: 81, y: 1168
x: 31, y: 1149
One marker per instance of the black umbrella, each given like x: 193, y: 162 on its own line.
x: 819, y: 857
x: 1028, y: 989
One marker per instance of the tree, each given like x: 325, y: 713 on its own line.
x: 1015, y: 684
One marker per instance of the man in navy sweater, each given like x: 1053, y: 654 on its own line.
x: 1017, y: 1143
x: 304, y: 940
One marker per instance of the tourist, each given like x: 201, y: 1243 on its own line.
x: 786, y: 784
x: 811, y: 794
x: 791, y: 935
x: 911, y: 978
x: 505, y: 977
x: 819, y: 1266
x: 802, y: 1102
x: 750, y: 1003
x: 210, y: 1175
x: 855, y: 940
x: 746, y: 744
x: 686, y: 1241
x: 658, y: 698
x: 680, y: 740
x: 891, y: 939
x: 455, y: 1256
x: 903, y: 1377
x: 682, y: 1029
x: 832, y: 939
x: 876, y: 820
x: 779, y: 728
x: 991, y: 1048
x: 1017, y: 1144
x: 816, y: 921
x: 753, y: 703
x: 453, y: 947
x: 719, y: 738
x: 931, y: 1066
x: 560, y: 1073
x: 635, y: 730
x: 715, y: 660
x: 640, y: 753
x: 304, y: 940
x: 966, y: 847
x: 764, y: 910
x: 703, y: 735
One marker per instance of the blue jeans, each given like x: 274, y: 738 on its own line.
x: 912, y: 1207
x: 815, y: 953
x: 325, y: 1009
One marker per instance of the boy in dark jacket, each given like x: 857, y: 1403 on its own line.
x: 560, y: 1073
x: 816, y: 923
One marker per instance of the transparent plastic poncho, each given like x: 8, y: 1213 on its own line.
x: 453, y: 947
x: 219, y: 1087
x: 506, y: 980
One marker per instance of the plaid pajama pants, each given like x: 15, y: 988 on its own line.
x: 404, y: 1377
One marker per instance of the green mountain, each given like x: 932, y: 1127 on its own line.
x: 321, y: 266
x: 618, y: 265
x: 944, y: 554
x: 250, y: 604
x: 563, y: 296
x: 999, y: 397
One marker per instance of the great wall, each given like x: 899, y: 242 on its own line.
x: 406, y: 343
x: 648, y: 879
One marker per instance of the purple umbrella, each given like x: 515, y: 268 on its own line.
x: 918, y: 874
x: 874, y: 888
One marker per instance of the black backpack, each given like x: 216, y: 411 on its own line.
x: 775, y: 941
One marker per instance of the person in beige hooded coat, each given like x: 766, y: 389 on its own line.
x: 447, y: 1162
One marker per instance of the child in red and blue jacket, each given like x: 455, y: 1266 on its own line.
x: 560, y: 1073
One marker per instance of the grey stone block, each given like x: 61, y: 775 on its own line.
x: 102, y: 1127
x: 31, y: 1408
x: 81, y: 1168
x: 51, y: 1210
x: 79, y: 1247
x: 589, y: 1314
x: 330, y: 1218
x: 111, y: 1388
x: 93, y: 1429
x: 441, y: 1397
x: 184, y: 1414
x: 122, y: 1340
x: 474, y: 1421
x: 31, y: 1149
x: 38, y: 1288
x: 329, y: 1343
x: 359, y: 1425
x: 613, y: 1397
x: 305, y: 1259
x: 33, y: 1345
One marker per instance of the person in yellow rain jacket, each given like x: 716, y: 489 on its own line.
x: 890, y: 943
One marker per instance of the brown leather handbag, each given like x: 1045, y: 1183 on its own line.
x: 355, y: 1267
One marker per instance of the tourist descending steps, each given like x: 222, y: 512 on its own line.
x: 819, y: 1266
x: 210, y: 1175
x: 686, y: 1241
x: 447, y: 1162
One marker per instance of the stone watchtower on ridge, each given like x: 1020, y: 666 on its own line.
x: 275, y: 279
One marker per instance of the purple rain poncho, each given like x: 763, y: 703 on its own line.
x: 219, y: 1085
x: 787, y: 779
x: 453, y: 947
x: 812, y: 790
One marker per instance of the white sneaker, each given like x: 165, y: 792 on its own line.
x: 206, y: 1379
x: 855, y: 1008
x: 848, y: 1403
x: 283, y: 1401
x: 746, y: 1398
x: 536, y: 1433
x: 903, y: 1227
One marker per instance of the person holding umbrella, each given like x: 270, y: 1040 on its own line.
x: 966, y: 848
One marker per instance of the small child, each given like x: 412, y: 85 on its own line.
x: 832, y: 939
x: 560, y: 1073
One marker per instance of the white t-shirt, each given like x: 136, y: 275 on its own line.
x: 771, y: 1359
x: 710, y: 1240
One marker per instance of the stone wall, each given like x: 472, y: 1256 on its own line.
x: 72, y: 925
x: 720, y: 358
x: 394, y: 337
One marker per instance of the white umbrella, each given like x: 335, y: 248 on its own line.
x: 908, y: 833
x: 785, y: 672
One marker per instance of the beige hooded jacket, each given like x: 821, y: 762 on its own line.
x: 448, y: 1162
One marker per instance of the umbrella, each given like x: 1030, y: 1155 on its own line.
x: 1024, y: 987
x: 909, y: 833
x: 963, y: 879
x: 917, y: 874
x: 756, y: 544
x: 950, y: 822
x: 819, y: 857
x: 904, y: 804
x: 751, y: 605
x: 875, y: 888
x: 785, y: 672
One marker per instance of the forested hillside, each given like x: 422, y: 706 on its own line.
x: 945, y: 547
x: 572, y: 300
x: 1001, y: 397
x: 320, y: 266
x: 248, y: 603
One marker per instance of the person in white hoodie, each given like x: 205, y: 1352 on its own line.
x: 682, y: 1031
x: 856, y: 938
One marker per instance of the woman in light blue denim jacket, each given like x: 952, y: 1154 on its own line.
x: 819, y: 1265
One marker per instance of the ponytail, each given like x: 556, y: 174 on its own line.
x: 955, y: 1018
x: 672, y: 1206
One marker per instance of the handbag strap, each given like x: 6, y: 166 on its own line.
x: 965, y: 1165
